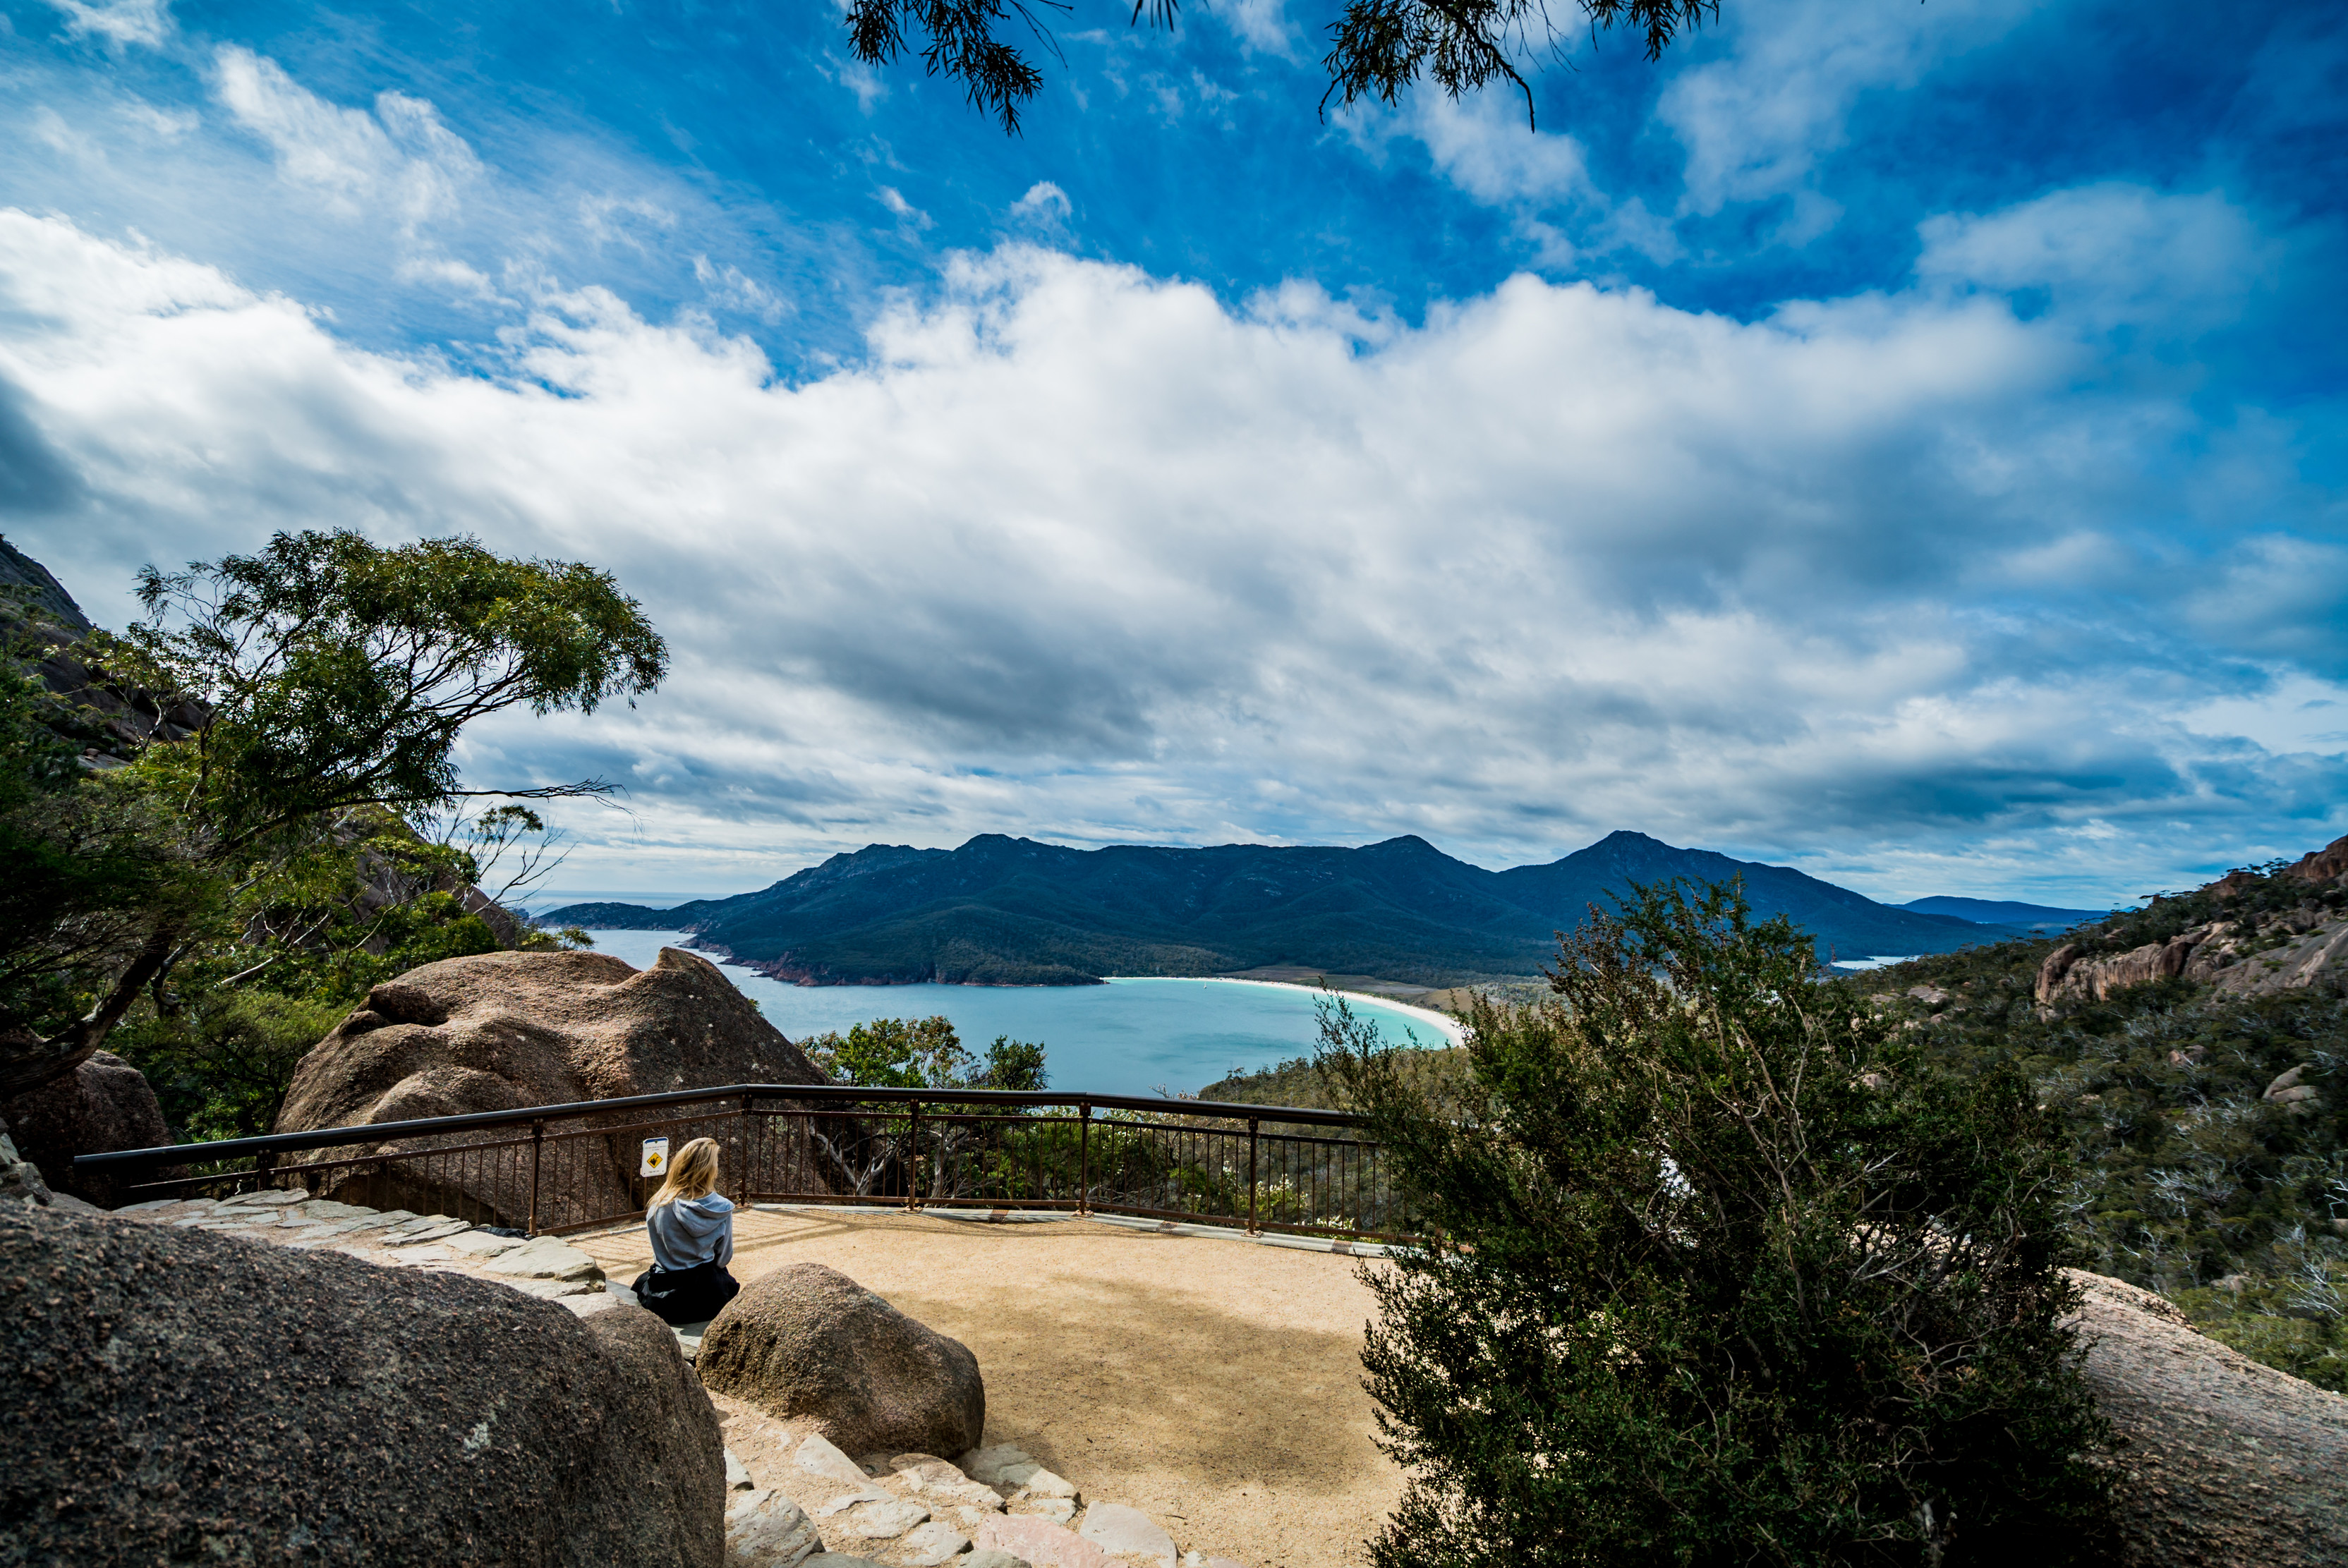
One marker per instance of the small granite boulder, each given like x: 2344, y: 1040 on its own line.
x: 808, y: 1341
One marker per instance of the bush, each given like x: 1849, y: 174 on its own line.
x: 1722, y: 1276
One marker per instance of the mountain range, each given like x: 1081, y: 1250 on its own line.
x: 1012, y: 911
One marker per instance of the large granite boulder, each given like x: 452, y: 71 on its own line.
x: 2217, y: 1459
x: 502, y: 1031
x: 806, y: 1340
x: 175, y: 1394
x: 102, y: 1105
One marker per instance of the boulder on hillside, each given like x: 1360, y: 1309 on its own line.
x: 100, y: 1106
x: 806, y: 1340
x: 503, y: 1031
x: 176, y: 1395
x: 2218, y: 1459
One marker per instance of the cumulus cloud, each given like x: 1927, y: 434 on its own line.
x: 1082, y: 552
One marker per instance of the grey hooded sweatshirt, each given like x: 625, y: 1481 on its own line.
x: 689, y: 1232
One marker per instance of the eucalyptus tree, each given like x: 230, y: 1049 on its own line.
x: 1378, y: 49
x: 321, y: 678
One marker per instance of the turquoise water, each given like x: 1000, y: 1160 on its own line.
x: 1128, y: 1036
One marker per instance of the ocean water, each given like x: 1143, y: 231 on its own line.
x: 1128, y: 1036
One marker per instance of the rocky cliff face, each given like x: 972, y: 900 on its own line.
x: 2280, y: 947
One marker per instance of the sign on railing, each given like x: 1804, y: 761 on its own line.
x: 554, y: 1168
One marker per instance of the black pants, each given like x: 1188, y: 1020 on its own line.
x: 686, y: 1295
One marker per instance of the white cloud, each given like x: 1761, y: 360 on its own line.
x: 730, y: 287
x: 888, y: 196
x: 454, y: 277
x: 1487, y: 149
x: 399, y: 161
x: 1755, y: 123
x: 1044, y: 205
x: 169, y: 124
x: 2109, y: 254
x: 1261, y: 25
x: 119, y: 22
x: 1484, y: 146
x: 1081, y: 552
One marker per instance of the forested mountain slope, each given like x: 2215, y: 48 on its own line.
x: 1014, y: 911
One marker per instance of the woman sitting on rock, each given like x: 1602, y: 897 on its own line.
x: 692, y: 1227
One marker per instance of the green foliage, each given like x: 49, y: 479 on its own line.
x: 221, y: 1067
x: 297, y: 827
x: 1441, y: 1073
x: 2185, y: 1175
x: 924, y: 1053
x: 337, y: 672
x: 1381, y: 47
x: 1723, y: 1275
x: 91, y: 859
x: 1012, y: 1064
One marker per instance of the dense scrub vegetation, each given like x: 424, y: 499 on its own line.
x: 2188, y: 1181
x: 1724, y: 1270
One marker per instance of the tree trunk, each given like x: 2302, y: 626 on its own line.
x: 27, y: 1062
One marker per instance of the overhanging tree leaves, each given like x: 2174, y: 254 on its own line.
x: 339, y: 672
x: 330, y: 675
x: 1379, y: 48
x: 1725, y: 1277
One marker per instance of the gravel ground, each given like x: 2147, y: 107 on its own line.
x: 1214, y: 1384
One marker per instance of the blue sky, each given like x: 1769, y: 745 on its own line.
x: 1901, y: 441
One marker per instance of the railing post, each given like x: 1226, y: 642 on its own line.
x: 263, y: 1163
x: 914, y: 1161
x: 1084, y: 1158
x: 742, y: 1175
x: 1252, y: 1227
x: 536, y: 1148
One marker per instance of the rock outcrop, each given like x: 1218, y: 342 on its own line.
x: 806, y: 1340
x: 502, y: 1031
x: 179, y: 1395
x: 2219, y: 1460
x: 102, y: 1105
x: 2220, y: 952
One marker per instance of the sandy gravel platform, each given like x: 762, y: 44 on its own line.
x: 1215, y: 1384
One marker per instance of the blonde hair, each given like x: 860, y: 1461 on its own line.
x: 693, y: 1174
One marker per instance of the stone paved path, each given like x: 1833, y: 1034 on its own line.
x: 395, y: 1238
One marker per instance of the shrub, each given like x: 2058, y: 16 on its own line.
x: 1722, y: 1278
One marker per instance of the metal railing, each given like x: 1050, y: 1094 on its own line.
x: 549, y: 1168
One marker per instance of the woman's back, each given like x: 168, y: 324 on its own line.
x: 689, y: 1232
